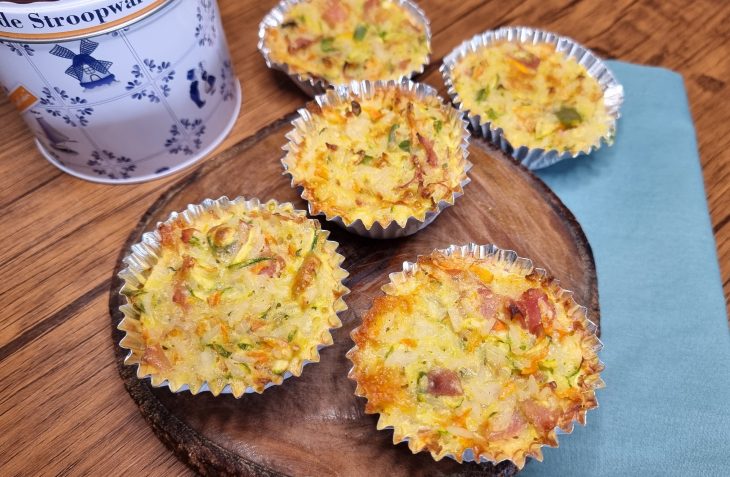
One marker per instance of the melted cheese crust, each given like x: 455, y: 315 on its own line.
x: 344, y: 40
x: 448, y: 359
x: 238, y: 298
x: 380, y: 159
x: 540, y: 98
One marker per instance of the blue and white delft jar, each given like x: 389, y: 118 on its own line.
x: 120, y: 91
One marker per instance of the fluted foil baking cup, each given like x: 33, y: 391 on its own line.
x: 312, y: 85
x: 509, y: 261
x: 366, y: 89
x: 145, y: 254
x: 537, y: 158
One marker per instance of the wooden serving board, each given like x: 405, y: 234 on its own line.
x: 314, y: 425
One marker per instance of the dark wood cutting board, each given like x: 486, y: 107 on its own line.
x: 314, y: 425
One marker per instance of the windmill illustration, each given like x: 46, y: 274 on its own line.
x: 56, y: 138
x: 89, y: 71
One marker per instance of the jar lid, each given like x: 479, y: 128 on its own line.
x: 49, y: 21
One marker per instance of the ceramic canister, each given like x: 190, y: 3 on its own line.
x: 119, y: 91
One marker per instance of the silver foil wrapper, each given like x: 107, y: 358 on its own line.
x: 365, y: 89
x: 536, y: 158
x: 145, y: 254
x: 509, y: 261
x: 312, y: 85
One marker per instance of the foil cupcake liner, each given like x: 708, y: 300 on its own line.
x: 509, y: 261
x: 145, y: 254
x: 366, y: 89
x: 312, y: 85
x: 537, y: 158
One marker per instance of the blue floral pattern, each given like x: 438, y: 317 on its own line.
x: 150, y: 78
x: 18, y: 48
x: 106, y: 163
x: 185, y: 137
x: 70, y: 108
x: 206, y: 31
x: 228, y: 81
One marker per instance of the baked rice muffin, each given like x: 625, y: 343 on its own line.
x: 339, y: 41
x: 475, y: 355
x: 238, y: 294
x: 538, y: 96
x: 379, y: 153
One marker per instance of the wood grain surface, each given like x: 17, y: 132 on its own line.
x: 314, y: 425
x: 63, y: 408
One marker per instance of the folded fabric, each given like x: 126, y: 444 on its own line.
x: 642, y: 204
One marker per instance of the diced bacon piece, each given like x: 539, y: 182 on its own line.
x: 335, y: 13
x: 155, y: 356
x: 539, y: 416
x: 299, y: 44
x: 533, y: 311
x: 370, y: 4
x: 272, y: 267
x: 186, y: 235
x: 538, y: 310
x: 444, y: 382
x: 187, y: 265
x: 180, y: 296
x: 516, y: 312
x: 244, y: 230
x: 488, y: 302
x: 515, y: 426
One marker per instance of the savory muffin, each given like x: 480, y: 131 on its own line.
x: 343, y: 40
x: 240, y: 296
x: 466, y: 353
x: 380, y: 154
x: 539, y: 97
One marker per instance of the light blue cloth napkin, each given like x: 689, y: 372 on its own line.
x: 666, y: 406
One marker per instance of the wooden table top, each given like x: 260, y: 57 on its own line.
x: 63, y: 409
